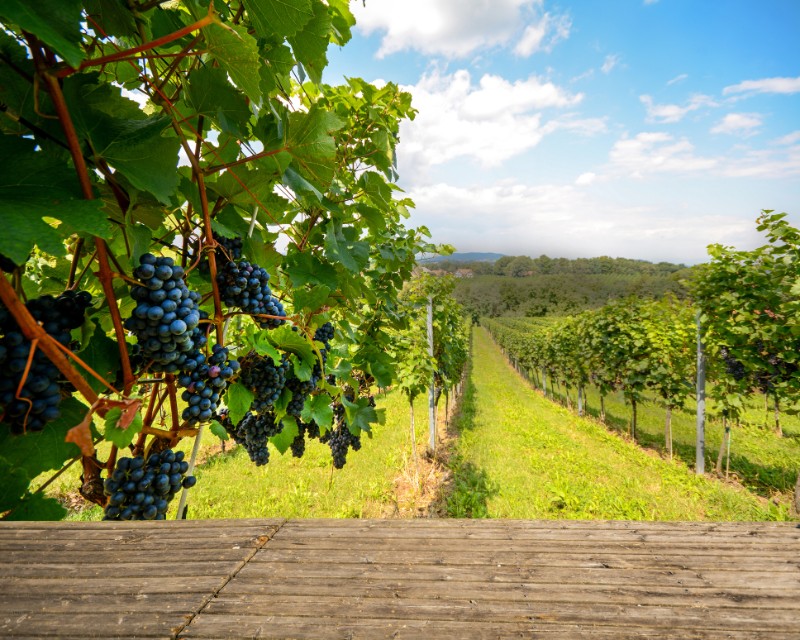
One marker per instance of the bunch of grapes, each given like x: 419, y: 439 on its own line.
x: 245, y: 286
x: 228, y: 249
x: 166, y: 318
x: 140, y: 490
x: 309, y: 429
x: 732, y: 366
x: 340, y: 439
x: 253, y: 432
x: 301, y: 389
x: 40, y: 396
x: 205, y: 382
x: 265, y: 379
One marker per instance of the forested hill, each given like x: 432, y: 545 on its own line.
x: 522, y: 266
x: 562, y: 293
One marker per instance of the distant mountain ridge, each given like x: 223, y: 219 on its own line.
x: 464, y: 257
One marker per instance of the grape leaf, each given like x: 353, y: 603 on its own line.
x: 311, y: 299
x: 237, y: 53
x: 37, y: 507
x: 318, y: 408
x: 289, y: 432
x: 210, y: 94
x: 39, y: 451
x: 102, y: 354
x: 359, y: 414
x: 118, y: 435
x: 311, y: 43
x: 288, y: 341
x: 311, y: 145
x: 218, y: 430
x: 55, y: 22
x: 14, y: 485
x: 272, y: 18
x: 305, y: 268
x: 33, y: 185
x: 239, y: 398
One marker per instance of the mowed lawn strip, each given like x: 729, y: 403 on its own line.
x: 535, y: 459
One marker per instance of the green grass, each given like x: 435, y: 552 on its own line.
x: 763, y: 461
x: 230, y: 486
x: 522, y: 456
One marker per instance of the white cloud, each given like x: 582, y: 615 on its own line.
x: 665, y: 113
x: 586, y: 178
x: 453, y: 28
x: 657, y: 153
x: 609, y: 63
x: 677, y: 79
x: 772, y: 164
x: 488, y: 122
x: 742, y: 124
x: 789, y: 138
x: 565, y: 220
x: 543, y: 35
x: 765, y: 85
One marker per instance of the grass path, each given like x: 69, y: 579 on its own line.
x: 521, y: 456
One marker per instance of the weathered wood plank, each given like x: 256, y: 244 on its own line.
x: 554, y: 558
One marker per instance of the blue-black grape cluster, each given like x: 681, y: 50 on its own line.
x: 340, y: 438
x: 167, y: 317
x: 246, y: 286
x: 253, y: 432
x: 265, y: 379
x: 305, y: 429
x: 40, y: 396
x: 205, y: 381
x: 142, y: 490
x: 301, y: 389
x: 733, y: 367
x: 228, y: 249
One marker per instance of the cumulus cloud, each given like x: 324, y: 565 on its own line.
x: 765, y: 85
x: 489, y: 122
x: 788, y: 139
x: 742, y: 124
x: 568, y: 221
x: 455, y: 29
x: 667, y: 113
x: 654, y: 152
x: 543, y: 34
x: 586, y: 178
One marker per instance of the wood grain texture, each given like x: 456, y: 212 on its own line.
x: 415, y: 579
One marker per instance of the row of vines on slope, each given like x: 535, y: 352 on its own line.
x: 747, y: 303
x: 199, y: 232
x: 432, y: 362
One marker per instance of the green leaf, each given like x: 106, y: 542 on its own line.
x: 311, y: 145
x: 239, y: 398
x: 288, y: 341
x: 39, y: 451
x: 318, y: 408
x: 33, y: 185
x: 311, y: 299
x: 57, y: 23
x: 359, y: 414
x: 117, y: 435
x: 289, y: 432
x: 14, y: 485
x: 237, y: 53
x: 311, y: 43
x: 37, y: 507
x: 218, y: 430
x: 305, y: 268
x: 210, y: 93
x: 114, y: 16
x: 282, y: 18
x: 101, y: 354
x: 353, y: 254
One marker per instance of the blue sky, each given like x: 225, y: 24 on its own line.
x: 635, y: 128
